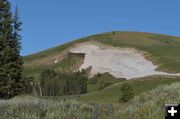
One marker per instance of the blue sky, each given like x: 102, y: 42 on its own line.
x: 48, y: 23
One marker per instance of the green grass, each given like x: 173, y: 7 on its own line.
x: 111, y: 94
x: 103, y: 80
x: 52, y: 51
x: 69, y: 62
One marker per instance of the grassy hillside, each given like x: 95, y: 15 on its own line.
x: 163, y: 50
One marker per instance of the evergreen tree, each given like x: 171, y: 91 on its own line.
x: 11, y: 81
x: 18, y: 61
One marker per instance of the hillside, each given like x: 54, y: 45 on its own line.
x: 162, y: 50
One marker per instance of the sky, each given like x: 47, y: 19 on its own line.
x: 49, y: 23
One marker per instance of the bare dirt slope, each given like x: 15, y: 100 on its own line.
x: 122, y: 62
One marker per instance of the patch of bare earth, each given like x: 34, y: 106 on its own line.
x: 120, y: 62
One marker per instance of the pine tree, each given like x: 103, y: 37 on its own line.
x: 17, y: 61
x: 11, y: 81
x: 6, y: 29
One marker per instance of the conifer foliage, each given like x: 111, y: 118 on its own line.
x: 11, y: 81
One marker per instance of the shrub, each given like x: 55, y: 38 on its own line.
x: 93, y: 81
x: 126, y: 93
x: 103, y: 85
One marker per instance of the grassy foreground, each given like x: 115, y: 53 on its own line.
x: 148, y: 105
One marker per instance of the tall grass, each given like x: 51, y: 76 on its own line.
x: 37, y: 108
x: 148, y: 105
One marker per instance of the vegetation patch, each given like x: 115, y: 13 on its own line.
x: 147, y: 105
x: 61, y: 83
x: 101, y: 81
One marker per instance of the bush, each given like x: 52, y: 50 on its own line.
x: 126, y: 93
x: 113, y: 32
x: 103, y: 85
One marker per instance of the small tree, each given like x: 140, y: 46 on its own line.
x: 126, y: 93
x: 113, y: 32
x: 48, y: 82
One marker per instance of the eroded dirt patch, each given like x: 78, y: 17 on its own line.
x: 120, y: 62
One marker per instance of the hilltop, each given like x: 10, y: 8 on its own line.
x: 162, y: 50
